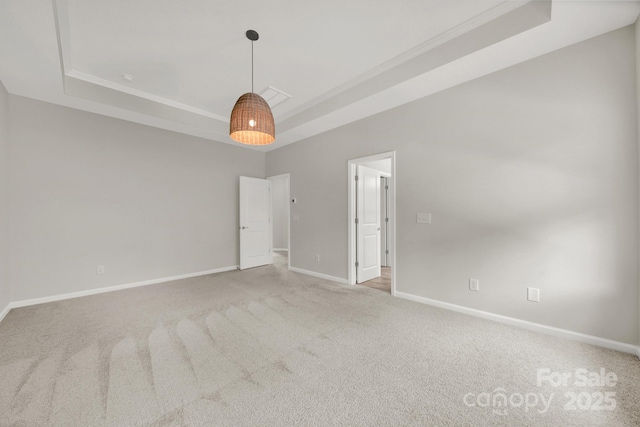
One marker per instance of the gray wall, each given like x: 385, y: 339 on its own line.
x: 89, y: 190
x: 5, y: 294
x: 531, y: 176
x: 280, y: 202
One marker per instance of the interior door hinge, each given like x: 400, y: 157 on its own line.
x: 356, y: 177
x: 357, y: 264
x: 386, y: 187
x: 386, y: 220
x: 387, y: 252
x: 356, y: 220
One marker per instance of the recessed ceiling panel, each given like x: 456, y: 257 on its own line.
x: 194, y: 52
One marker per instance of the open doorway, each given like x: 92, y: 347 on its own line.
x: 371, y: 219
x: 280, y: 198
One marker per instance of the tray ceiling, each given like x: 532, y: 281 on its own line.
x: 181, y: 65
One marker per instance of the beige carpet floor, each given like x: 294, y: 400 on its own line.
x: 268, y: 347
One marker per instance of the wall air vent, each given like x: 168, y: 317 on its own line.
x: 274, y: 96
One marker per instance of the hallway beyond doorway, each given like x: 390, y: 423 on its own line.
x: 381, y: 283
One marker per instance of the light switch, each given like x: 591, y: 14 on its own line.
x: 424, y: 218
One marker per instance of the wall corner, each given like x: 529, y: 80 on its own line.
x: 637, y: 63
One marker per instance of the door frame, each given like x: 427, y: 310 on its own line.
x: 288, y: 176
x: 387, y: 233
x: 351, y: 213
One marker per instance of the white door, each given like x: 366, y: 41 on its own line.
x: 368, y: 224
x: 255, y: 222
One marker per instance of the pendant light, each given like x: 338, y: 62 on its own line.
x: 251, y: 120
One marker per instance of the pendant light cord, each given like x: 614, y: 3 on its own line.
x: 251, y: 66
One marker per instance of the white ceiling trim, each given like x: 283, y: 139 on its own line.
x: 135, y: 92
x: 61, y: 16
x: 585, y: 23
x: 439, y: 40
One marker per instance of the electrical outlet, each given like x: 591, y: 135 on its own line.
x: 100, y: 269
x: 474, y: 285
x: 533, y: 294
x: 423, y: 218
x: 317, y: 257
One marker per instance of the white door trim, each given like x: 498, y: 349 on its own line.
x: 288, y: 176
x: 351, y: 213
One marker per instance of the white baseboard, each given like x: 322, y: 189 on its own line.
x: 320, y: 275
x: 562, y: 333
x: 281, y: 249
x: 5, y: 311
x: 28, y: 302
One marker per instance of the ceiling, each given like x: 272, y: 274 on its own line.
x: 181, y: 65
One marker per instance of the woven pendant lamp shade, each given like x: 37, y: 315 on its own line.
x: 252, y: 109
